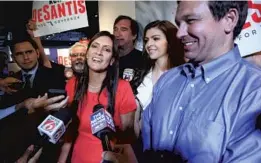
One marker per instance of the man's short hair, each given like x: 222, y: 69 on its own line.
x: 28, y: 39
x: 220, y: 8
x: 76, y: 45
x: 134, y: 25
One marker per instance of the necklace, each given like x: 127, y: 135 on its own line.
x: 94, y: 86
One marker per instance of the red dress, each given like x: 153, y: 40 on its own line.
x: 88, y: 148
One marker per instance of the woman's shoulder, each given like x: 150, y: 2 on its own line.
x: 71, y: 80
x: 123, y: 84
x: 124, y: 87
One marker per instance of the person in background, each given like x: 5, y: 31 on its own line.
x: 98, y: 85
x: 43, y: 58
x: 30, y: 27
x: 77, y: 54
x: 126, y: 30
x: 162, y: 51
x: 76, y: 60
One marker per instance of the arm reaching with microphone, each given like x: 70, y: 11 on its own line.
x: 51, y: 130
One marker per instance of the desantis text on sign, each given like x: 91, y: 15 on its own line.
x: 58, y: 16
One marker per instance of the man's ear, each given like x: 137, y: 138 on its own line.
x: 134, y: 37
x: 38, y: 53
x: 230, y: 20
x: 112, y: 61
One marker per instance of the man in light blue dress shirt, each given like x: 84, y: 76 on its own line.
x: 205, y: 110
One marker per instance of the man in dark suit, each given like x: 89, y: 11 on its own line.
x: 19, y: 130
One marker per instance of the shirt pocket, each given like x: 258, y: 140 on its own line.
x: 202, y: 139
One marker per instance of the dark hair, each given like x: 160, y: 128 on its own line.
x: 110, y: 81
x: 3, y: 55
x: 26, y: 39
x: 174, y: 50
x: 133, y: 24
x: 220, y: 8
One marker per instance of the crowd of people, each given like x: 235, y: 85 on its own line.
x: 187, y: 97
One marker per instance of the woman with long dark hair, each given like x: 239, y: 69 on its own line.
x: 98, y: 85
x: 162, y: 51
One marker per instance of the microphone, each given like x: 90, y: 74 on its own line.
x: 102, y: 126
x: 52, y: 128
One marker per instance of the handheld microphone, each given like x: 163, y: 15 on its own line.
x: 102, y: 126
x: 52, y: 128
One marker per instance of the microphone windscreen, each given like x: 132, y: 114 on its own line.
x: 97, y: 107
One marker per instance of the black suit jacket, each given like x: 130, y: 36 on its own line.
x: 19, y: 130
x: 45, y: 78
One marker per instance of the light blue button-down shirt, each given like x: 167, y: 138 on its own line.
x: 207, y: 114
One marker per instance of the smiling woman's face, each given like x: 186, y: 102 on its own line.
x: 99, y: 55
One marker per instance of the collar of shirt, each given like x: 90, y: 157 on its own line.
x: 32, y: 72
x: 213, y: 69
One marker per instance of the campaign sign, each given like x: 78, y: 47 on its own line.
x: 58, y: 16
x: 250, y: 37
x: 63, y: 57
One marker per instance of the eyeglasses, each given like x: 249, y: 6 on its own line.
x: 77, y: 55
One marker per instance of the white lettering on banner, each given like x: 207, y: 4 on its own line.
x: 250, y: 37
x: 63, y: 57
x: 58, y: 16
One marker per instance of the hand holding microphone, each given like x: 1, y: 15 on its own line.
x: 102, y: 126
x: 53, y: 128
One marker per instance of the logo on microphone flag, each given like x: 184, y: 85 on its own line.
x: 52, y: 127
x: 101, y: 120
x: 50, y: 124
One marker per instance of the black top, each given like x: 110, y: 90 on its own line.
x: 133, y: 60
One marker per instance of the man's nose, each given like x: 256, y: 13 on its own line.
x: 117, y: 33
x: 26, y: 56
x: 80, y: 58
x: 182, y: 31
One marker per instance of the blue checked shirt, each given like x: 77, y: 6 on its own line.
x: 207, y: 114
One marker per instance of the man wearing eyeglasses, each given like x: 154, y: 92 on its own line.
x: 78, y: 57
x: 19, y: 129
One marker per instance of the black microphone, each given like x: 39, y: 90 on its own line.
x: 102, y: 126
x: 52, y: 128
